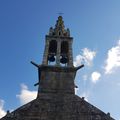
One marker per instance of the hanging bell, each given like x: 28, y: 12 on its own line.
x: 64, y: 60
x: 51, y: 58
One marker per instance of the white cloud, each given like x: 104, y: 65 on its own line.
x: 2, y: 111
x: 78, y: 60
x: 26, y: 95
x: 95, y: 76
x: 87, y: 56
x: 113, y: 59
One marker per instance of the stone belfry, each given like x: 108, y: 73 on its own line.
x: 56, y: 99
x: 58, y: 45
x: 57, y: 73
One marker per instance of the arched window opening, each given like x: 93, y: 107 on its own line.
x: 52, y: 52
x: 59, y: 33
x: 53, y: 47
x: 64, y: 53
x: 64, y: 47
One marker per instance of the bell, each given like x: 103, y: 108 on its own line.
x: 51, y: 58
x: 63, y: 60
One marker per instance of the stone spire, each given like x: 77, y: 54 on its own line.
x: 59, y: 29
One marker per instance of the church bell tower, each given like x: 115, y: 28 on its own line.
x: 58, y: 47
x: 57, y: 73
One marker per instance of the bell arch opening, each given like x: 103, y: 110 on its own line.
x: 52, y: 52
x: 64, y: 53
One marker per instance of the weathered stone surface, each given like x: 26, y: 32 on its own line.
x: 51, y: 106
x: 53, y: 79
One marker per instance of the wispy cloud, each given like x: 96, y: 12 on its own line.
x: 78, y: 60
x: 95, y: 76
x: 26, y: 95
x: 87, y: 57
x: 113, y: 59
x: 2, y: 111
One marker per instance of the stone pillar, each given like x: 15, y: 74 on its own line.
x: 70, y: 54
x: 45, y: 55
x: 58, y: 52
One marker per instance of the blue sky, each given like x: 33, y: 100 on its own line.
x: 93, y: 24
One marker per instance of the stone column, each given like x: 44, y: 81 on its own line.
x: 70, y: 54
x: 45, y: 55
x: 58, y: 52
